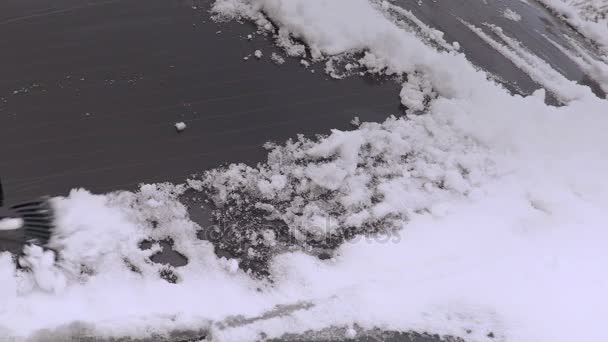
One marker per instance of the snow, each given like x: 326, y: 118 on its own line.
x: 594, y: 66
x: 589, y: 17
x: 180, y: 126
x: 539, y: 70
x: 258, y: 54
x: 45, y: 274
x: 511, y: 15
x: 278, y: 59
x: 350, y: 333
x: 230, y: 265
x: 483, y: 215
x: 415, y: 92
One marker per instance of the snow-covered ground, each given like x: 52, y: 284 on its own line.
x: 483, y: 217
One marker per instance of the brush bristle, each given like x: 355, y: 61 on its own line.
x: 38, y: 220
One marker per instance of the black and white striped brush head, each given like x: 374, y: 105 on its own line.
x: 27, y: 222
x: 38, y: 220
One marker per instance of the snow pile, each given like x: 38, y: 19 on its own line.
x: 494, y: 204
x: 355, y: 181
x: 589, y: 17
x: 105, y: 281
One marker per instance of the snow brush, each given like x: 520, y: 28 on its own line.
x: 26, y: 223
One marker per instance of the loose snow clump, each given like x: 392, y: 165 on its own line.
x: 370, y: 180
x: 180, y: 126
x: 511, y: 15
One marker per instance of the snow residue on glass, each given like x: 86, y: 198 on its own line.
x: 511, y: 15
x: 595, y: 67
x: 564, y: 89
x: 482, y: 218
x: 589, y: 17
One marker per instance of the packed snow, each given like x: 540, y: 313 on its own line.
x: 480, y: 214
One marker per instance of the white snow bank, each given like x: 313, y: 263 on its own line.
x: 499, y: 203
x: 94, y: 283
